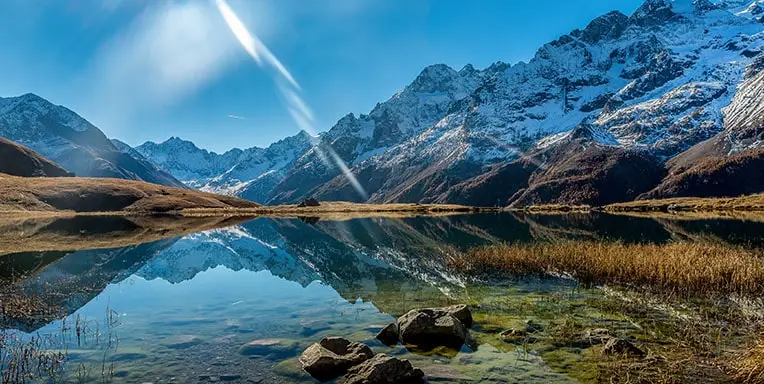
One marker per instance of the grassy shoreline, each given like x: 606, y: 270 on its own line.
x: 679, y: 268
x: 333, y: 209
x: 678, y: 205
x: 696, y: 307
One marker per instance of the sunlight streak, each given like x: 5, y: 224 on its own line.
x: 298, y: 109
x: 251, y: 43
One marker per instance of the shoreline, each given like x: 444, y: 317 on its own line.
x: 327, y: 208
x: 724, y: 207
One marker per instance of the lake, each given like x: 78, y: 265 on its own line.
x: 239, y: 303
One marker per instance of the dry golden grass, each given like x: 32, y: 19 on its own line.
x: 749, y: 366
x: 80, y: 194
x: 743, y: 203
x: 677, y: 268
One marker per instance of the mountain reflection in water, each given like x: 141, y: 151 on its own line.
x: 187, y: 303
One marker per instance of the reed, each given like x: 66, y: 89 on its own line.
x: 749, y: 366
x: 678, y: 268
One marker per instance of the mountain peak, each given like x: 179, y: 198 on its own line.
x: 31, y: 97
x: 433, y: 78
x: 176, y: 140
x: 608, y: 26
x: 656, y: 12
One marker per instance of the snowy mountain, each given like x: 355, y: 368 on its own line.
x: 251, y: 173
x: 71, y: 141
x: 655, y: 82
x: 187, y: 162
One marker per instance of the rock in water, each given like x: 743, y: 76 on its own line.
x: 461, y: 312
x: 389, y: 335
x: 426, y: 328
x: 274, y: 349
x: 616, y: 346
x: 332, y: 357
x: 383, y: 369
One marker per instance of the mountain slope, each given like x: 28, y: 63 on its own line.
x: 80, y: 194
x: 653, y: 84
x: 71, y: 141
x: 17, y: 160
x: 732, y: 162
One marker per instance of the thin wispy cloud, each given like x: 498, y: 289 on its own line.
x: 236, y: 117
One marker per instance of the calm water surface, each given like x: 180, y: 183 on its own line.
x: 183, y: 309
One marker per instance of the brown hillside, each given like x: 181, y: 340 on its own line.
x: 592, y: 175
x: 104, y: 195
x: 735, y: 175
x: 18, y: 160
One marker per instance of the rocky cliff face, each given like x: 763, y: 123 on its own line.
x: 71, y: 141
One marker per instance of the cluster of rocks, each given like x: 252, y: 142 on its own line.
x: 426, y: 328
x: 333, y: 357
x: 613, y: 346
x: 430, y: 327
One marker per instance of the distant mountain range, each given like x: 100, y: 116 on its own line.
x: 665, y: 102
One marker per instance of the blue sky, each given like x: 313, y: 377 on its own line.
x: 150, y: 69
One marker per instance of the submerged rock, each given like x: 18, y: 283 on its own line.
x: 616, y: 346
x: 274, y: 349
x: 312, y: 327
x: 431, y: 327
x: 332, y: 357
x: 383, y: 369
x: 388, y: 335
x: 183, y: 341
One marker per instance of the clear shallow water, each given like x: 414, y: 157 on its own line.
x: 182, y: 309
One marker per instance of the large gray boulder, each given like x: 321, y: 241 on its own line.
x: 332, y: 357
x: 431, y: 327
x: 383, y: 369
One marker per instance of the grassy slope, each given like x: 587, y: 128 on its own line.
x: 104, y: 195
x: 21, y: 161
x: 743, y: 203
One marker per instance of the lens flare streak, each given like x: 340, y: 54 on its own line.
x: 298, y: 109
